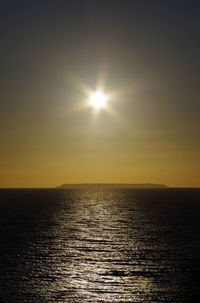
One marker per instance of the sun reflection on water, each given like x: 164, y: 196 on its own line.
x: 95, y: 243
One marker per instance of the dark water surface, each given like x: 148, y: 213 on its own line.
x: 99, y: 246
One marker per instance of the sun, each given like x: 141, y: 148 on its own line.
x: 98, y: 100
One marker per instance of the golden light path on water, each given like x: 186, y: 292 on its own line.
x: 99, y: 267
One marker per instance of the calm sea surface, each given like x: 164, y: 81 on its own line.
x: 99, y: 246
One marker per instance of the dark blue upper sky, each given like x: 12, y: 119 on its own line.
x: 156, y: 39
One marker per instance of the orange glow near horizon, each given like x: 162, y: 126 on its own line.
x: 119, y: 146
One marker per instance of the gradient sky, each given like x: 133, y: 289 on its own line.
x: 146, y: 52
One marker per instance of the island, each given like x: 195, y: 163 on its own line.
x: 112, y: 185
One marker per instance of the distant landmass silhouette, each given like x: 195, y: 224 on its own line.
x: 111, y: 185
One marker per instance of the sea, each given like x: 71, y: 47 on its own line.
x: 120, y: 245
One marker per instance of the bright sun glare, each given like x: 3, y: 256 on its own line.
x: 98, y: 100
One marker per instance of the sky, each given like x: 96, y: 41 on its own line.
x: 143, y: 54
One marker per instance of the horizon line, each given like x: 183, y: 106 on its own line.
x: 84, y: 183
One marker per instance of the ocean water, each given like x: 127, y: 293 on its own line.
x: 99, y: 246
